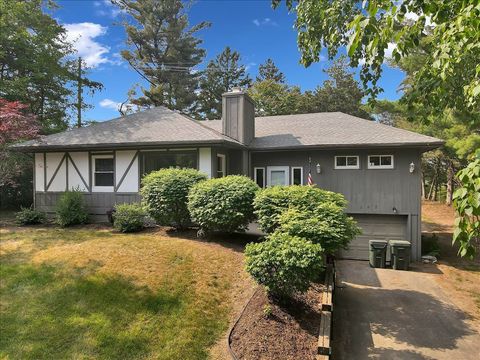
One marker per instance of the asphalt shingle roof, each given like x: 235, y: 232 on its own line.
x: 160, y: 126
x: 333, y: 129
x: 154, y: 126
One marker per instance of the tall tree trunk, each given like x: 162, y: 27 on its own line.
x: 79, y: 93
x: 432, y: 186
x: 423, y: 185
x: 450, y: 185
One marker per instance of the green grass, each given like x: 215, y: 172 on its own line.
x: 54, y: 310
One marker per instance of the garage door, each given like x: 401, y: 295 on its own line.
x: 375, y: 227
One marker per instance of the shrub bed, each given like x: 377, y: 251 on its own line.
x: 165, y: 195
x: 271, y: 202
x: 129, y: 217
x: 30, y: 216
x: 224, y: 204
x: 71, y: 209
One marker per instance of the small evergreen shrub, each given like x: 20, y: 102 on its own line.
x: 224, y: 204
x: 129, y: 217
x: 326, y: 225
x: 30, y: 216
x: 165, y: 195
x: 71, y: 209
x: 284, y: 264
x: 271, y: 202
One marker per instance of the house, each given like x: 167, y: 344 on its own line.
x: 376, y: 167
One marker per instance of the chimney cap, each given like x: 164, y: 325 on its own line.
x: 236, y: 89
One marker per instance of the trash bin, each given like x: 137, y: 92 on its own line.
x: 377, y: 253
x: 400, y: 254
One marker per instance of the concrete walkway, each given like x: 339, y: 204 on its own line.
x: 388, y: 314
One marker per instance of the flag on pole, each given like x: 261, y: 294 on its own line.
x: 309, y: 179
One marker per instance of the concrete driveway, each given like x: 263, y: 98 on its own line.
x: 388, y: 314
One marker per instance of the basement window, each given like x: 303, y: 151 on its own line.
x: 380, y: 161
x: 347, y: 162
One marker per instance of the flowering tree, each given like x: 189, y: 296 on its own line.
x: 15, y: 123
x: 15, y: 169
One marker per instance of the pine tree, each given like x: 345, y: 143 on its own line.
x: 269, y: 71
x: 35, y: 63
x: 221, y: 75
x: 340, y: 92
x: 163, y: 51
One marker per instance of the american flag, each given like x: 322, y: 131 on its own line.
x: 309, y: 179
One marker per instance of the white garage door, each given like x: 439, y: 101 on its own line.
x: 375, y: 227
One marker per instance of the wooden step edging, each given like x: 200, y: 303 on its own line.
x: 325, y: 334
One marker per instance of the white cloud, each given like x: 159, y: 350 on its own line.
x: 264, y: 22
x: 106, y: 8
x: 82, y: 36
x: 388, y: 53
x: 250, y: 65
x: 110, y: 104
x: 114, y: 105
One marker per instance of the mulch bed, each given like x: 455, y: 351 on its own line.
x: 290, y: 332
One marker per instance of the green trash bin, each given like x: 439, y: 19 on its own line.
x: 400, y: 254
x: 377, y: 253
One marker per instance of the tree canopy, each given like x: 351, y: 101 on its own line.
x: 221, y: 75
x: 269, y: 71
x: 163, y: 50
x: 36, y: 66
x: 450, y: 74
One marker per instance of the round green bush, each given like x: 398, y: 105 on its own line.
x: 284, y: 264
x: 326, y: 225
x: 71, y: 209
x: 165, y: 193
x: 129, y: 217
x: 30, y: 216
x: 224, y: 204
x: 271, y: 202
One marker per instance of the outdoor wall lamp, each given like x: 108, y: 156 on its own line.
x: 395, y: 210
x: 411, y: 167
x: 319, y: 168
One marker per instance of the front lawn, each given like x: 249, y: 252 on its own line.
x: 94, y: 293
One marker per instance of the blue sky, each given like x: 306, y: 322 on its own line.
x: 251, y: 27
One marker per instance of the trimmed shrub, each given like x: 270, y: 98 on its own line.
x: 326, y: 225
x: 165, y: 195
x: 224, y: 204
x: 129, y: 217
x: 71, y: 209
x: 273, y: 201
x: 284, y: 264
x: 30, y: 216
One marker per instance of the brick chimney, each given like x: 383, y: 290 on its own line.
x: 238, y: 116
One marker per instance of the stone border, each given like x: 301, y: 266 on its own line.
x: 325, y: 333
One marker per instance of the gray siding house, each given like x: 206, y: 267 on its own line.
x: 376, y: 167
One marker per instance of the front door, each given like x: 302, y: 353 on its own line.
x: 277, y: 175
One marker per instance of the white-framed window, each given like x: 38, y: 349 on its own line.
x: 277, y: 175
x: 380, y: 161
x: 347, y: 162
x: 259, y: 176
x: 221, y: 165
x: 297, y: 175
x: 103, y: 172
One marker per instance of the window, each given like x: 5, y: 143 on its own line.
x: 221, y: 165
x: 103, y: 172
x: 277, y: 175
x: 297, y: 175
x: 259, y: 174
x: 347, y: 162
x: 156, y: 160
x: 380, y: 161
